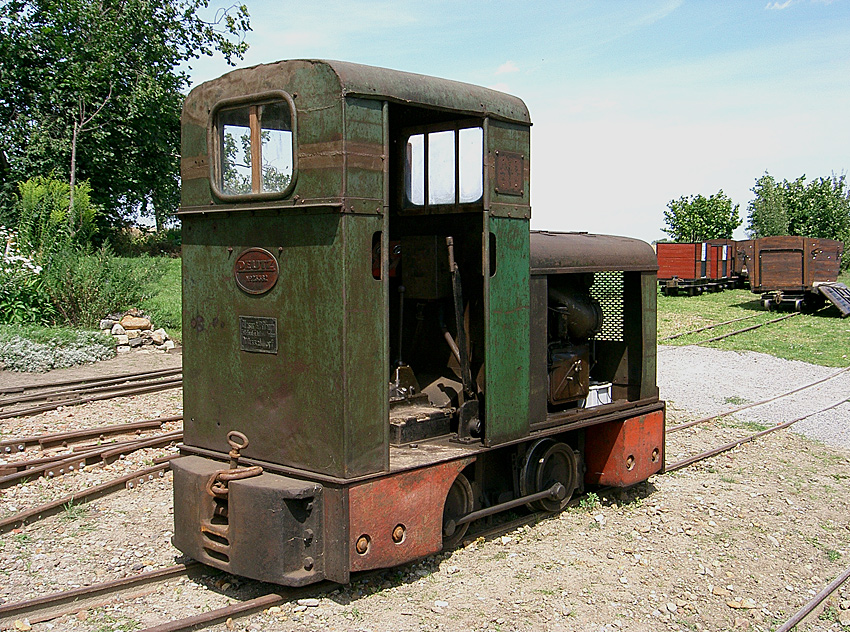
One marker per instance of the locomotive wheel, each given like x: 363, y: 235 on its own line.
x: 548, y: 462
x: 558, y: 465
x: 459, y: 502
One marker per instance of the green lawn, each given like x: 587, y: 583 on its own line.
x: 165, y: 303
x: 822, y: 338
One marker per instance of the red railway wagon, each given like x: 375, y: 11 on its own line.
x: 695, y: 267
x: 798, y: 271
x: 721, y: 261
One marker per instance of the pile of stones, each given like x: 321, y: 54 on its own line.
x: 133, y: 330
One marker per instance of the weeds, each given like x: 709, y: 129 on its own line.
x: 589, y: 502
x: 109, y: 623
x: 73, y: 512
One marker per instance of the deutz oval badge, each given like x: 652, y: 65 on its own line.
x: 255, y: 271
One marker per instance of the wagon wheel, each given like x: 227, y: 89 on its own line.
x: 530, y: 463
x: 459, y: 502
x: 547, y: 463
x: 560, y: 465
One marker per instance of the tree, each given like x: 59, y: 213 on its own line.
x: 94, y: 89
x: 697, y: 218
x: 820, y: 208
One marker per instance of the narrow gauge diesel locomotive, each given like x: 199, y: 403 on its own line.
x: 377, y: 349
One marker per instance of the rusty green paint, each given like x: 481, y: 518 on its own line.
x: 507, y: 333
x: 649, y: 297
x: 327, y: 379
x: 329, y: 376
x: 509, y: 137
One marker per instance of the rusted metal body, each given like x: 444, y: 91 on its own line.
x: 696, y: 267
x: 370, y: 311
x: 787, y: 270
x: 743, y: 261
x: 721, y: 259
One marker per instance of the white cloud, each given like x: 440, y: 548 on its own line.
x: 507, y: 67
x: 779, y: 5
x: 501, y: 87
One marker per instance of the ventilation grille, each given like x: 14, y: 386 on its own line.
x: 607, y: 288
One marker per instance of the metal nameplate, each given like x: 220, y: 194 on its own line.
x: 258, y: 334
x: 256, y: 271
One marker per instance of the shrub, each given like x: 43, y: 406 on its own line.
x: 22, y: 295
x: 84, y: 288
x: 132, y: 243
x: 55, y: 351
x: 47, y: 224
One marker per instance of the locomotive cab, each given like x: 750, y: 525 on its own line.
x: 377, y: 350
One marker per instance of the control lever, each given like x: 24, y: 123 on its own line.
x: 468, y: 418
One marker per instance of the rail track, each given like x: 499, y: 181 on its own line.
x: 13, y: 401
x: 706, y: 328
x: 69, y: 602
x: 731, y: 333
x: 702, y: 420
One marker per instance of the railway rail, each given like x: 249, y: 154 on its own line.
x: 69, y: 602
x: 55, y: 605
x: 706, y: 328
x: 75, y: 392
x: 731, y: 333
x: 131, y: 480
x: 702, y: 420
x: 54, y: 439
x: 64, y: 463
x: 672, y: 467
x: 56, y: 384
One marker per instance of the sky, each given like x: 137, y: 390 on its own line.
x: 634, y: 102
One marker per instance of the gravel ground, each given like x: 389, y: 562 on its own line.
x: 700, y: 381
x: 738, y: 542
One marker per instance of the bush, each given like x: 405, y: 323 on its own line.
x: 22, y: 295
x: 47, y: 224
x: 133, y: 243
x: 84, y: 288
x: 53, y: 349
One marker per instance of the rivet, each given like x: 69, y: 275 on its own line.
x: 398, y: 533
x: 308, y: 536
x: 308, y: 563
x: 362, y: 545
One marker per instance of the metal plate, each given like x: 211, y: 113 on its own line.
x: 509, y: 173
x: 255, y: 271
x: 838, y: 294
x: 258, y: 334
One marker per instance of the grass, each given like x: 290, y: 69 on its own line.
x: 56, y: 336
x: 63, y: 346
x: 822, y: 338
x: 165, y: 302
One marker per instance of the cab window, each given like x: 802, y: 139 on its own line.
x: 255, y: 148
x: 444, y: 167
